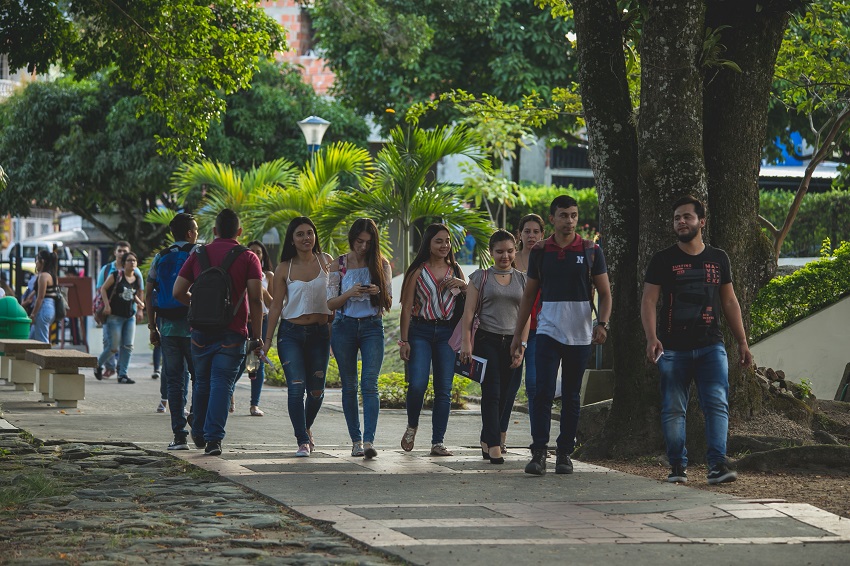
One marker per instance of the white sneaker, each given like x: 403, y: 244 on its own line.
x: 303, y: 450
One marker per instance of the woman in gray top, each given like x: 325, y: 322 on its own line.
x: 501, y: 293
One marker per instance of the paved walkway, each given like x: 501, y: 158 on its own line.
x: 458, y: 509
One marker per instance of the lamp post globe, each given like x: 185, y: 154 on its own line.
x: 314, y: 129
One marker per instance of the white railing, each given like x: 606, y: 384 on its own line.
x: 7, y: 87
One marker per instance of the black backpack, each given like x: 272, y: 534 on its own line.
x: 211, y: 308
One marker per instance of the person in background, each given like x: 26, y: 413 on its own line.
x: 46, y: 295
x: 360, y: 291
x: 168, y: 324
x: 303, y: 338
x: 121, y: 247
x: 120, y: 307
x: 429, y: 297
x: 531, y: 230
x: 267, y: 282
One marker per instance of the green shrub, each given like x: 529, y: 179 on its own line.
x: 539, y: 197
x: 807, y: 290
x: 392, y: 389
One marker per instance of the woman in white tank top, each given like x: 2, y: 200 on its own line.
x: 303, y: 339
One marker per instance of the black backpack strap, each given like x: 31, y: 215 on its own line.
x: 231, y: 256
x: 589, y: 247
x: 203, y: 258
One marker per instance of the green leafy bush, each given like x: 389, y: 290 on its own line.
x: 539, y: 197
x: 392, y: 389
x: 821, y: 216
x: 807, y: 290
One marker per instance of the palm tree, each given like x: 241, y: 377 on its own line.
x: 268, y: 196
x: 405, y: 189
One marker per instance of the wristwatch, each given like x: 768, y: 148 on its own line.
x: 402, y: 342
x: 524, y: 344
x: 604, y: 325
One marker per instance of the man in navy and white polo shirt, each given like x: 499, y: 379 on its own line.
x: 562, y: 267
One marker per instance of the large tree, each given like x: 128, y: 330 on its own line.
x: 698, y: 129
x: 183, y: 56
x: 393, y: 53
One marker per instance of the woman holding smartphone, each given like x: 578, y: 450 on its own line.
x: 359, y: 290
x: 429, y: 296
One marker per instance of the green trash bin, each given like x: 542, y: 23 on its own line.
x: 14, y: 322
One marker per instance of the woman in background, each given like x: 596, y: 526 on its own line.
x: 46, y: 295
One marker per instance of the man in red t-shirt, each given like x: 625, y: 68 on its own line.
x: 218, y: 357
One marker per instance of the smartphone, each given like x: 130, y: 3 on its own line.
x: 658, y: 357
x: 454, y: 291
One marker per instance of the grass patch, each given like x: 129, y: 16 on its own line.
x: 25, y: 488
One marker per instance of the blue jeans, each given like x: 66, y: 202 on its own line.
x: 40, y: 329
x: 349, y: 336
x: 216, y: 359
x: 157, y: 364
x: 573, y: 361
x: 119, y: 333
x: 709, y: 367
x: 530, y: 375
x: 429, y: 345
x: 176, y: 367
x: 304, y: 351
x: 260, y: 375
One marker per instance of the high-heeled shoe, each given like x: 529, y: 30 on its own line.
x: 484, y: 452
x: 498, y: 460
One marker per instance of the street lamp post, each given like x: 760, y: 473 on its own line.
x: 314, y: 129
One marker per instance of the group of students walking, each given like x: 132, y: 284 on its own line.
x: 542, y: 305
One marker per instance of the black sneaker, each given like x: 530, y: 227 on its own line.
x: 199, y: 441
x: 563, y: 464
x: 537, y: 466
x: 678, y: 474
x: 179, y: 443
x: 213, y: 448
x: 720, y: 473
x: 98, y: 373
x: 126, y: 380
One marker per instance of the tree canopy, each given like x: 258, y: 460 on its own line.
x: 393, y: 53
x: 183, y: 56
x: 79, y: 146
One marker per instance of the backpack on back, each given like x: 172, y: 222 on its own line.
x: 212, y: 307
x: 171, y: 259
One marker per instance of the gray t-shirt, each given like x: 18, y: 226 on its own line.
x: 499, y: 303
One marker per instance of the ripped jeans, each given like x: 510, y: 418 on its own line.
x: 304, y: 351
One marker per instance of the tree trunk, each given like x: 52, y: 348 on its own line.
x: 735, y: 118
x: 613, y: 156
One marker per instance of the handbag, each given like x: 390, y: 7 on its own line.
x: 456, y: 340
x: 61, y: 306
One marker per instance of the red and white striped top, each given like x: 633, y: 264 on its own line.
x: 433, y: 301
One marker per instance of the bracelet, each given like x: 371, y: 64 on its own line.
x: 402, y: 342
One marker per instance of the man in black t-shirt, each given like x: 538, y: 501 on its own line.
x: 694, y: 281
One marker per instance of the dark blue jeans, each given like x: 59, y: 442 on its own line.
x: 496, y: 349
x: 709, y: 368
x: 176, y: 368
x: 429, y: 345
x: 216, y: 359
x: 350, y: 336
x: 260, y: 376
x: 530, y: 376
x: 572, y: 360
x: 304, y: 352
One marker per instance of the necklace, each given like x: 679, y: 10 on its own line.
x: 502, y: 271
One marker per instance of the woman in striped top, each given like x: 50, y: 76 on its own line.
x: 429, y: 302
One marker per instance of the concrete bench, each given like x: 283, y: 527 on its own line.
x: 14, y: 367
x: 59, y: 379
